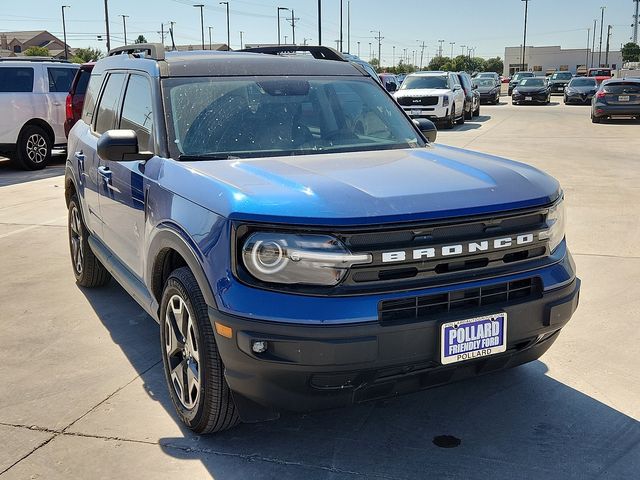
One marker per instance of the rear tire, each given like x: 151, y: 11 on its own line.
x: 469, y: 115
x: 33, y: 151
x: 87, y: 269
x: 595, y: 119
x: 476, y: 112
x: 450, y: 122
x: 461, y: 120
x: 191, y: 358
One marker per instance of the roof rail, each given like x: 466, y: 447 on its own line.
x: 318, y: 51
x: 33, y: 59
x: 153, y: 51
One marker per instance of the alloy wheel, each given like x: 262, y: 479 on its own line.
x: 37, y: 148
x: 77, y: 249
x: 182, y: 352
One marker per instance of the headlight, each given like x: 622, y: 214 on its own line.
x: 445, y: 101
x: 556, y: 223
x: 298, y: 259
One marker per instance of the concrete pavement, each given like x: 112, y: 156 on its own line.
x: 84, y: 397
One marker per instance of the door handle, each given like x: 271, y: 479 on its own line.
x: 80, y: 157
x: 57, y: 104
x: 105, y: 173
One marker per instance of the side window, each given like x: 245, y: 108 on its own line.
x: 60, y: 79
x: 137, y: 112
x: 106, y: 112
x: 90, y: 98
x: 16, y: 79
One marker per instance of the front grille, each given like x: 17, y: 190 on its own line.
x: 418, y: 101
x: 425, y: 307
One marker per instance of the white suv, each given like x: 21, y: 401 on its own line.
x: 32, y: 102
x: 437, y: 96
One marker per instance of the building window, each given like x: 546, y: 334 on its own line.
x: 537, y: 68
x: 564, y: 68
x: 17, y: 49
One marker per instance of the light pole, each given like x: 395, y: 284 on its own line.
x: 319, y: 22
x: 379, y: 38
x: 440, y: 51
x: 124, y: 27
x: 280, y: 8
x: 462, y: 47
x: 341, y: 9
x: 201, y: 6
x: 228, y: 34
x: 394, y: 56
x: 452, y: 45
x: 524, y: 41
x: 106, y: 21
x: 241, y: 44
x: 64, y: 32
x: 358, y: 49
x: 593, y: 46
x: 210, y: 44
x: 586, y: 63
x: 370, y: 51
x: 600, y: 48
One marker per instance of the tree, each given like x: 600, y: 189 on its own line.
x: 84, y: 55
x: 141, y: 39
x: 438, y: 63
x: 631, y: 52
x: 494, y: 65
x: 37, y: 52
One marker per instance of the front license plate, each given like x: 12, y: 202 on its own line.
x: 623, y: 98
x: 473, y: 338
x: 528, y: 99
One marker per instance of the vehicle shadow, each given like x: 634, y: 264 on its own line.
x: 519, y: 423
x: 11, y: 175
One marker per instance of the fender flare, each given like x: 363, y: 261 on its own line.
x: 171, y: 237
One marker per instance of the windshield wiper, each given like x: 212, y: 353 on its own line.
x: 206, y: 156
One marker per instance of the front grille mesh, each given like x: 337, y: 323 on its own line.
x: 425, y: 307
x: 418, y: 101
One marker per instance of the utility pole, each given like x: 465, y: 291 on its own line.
x: 341, y: 25
x: 606, y: 58
x: 280, y: 8
x: 422, y: 54
x: 162, y: 33
x: 406, y: 59
x: 358, y: 49
x: 173, y: 38
x: 64, y: 32
x: 370, y: 51
x: 462, y: 47
x: 319, y: 22
x: 124, y: 26
x: 440, y: 49
x: 586, y: 63
x: 228, y: 30
x: 293, y: 26
x: 210, y: 44
x: 452, y: 44
x: 524, y: 41
x: 241, y: 44
x: 349, y: 26
x: 593, y: 46
x: 636, y: 17
x: 379, y: 38
x: 201, y: 7
x: 393, y: 57
x: 106, y: 21
x: 600, y: 48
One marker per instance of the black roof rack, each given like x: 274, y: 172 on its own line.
x: 318, y: 51
x: 153, y: 51
x: 33, y: 59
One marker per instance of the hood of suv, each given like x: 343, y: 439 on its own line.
x: 422, y: 92
x: 361, y: 188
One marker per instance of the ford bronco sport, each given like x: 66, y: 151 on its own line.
x: 300, y: 243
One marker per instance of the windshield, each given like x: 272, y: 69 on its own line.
x: 532, y: 82
x: 221, y: 118
x: 420, y: 81
x: 582, y: 82
x: 561, y: 76
x: 484, y: 82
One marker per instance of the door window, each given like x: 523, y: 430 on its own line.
x: 16, y: 79
x: 106, y: 112
x: 60, y: 79
x: 137, y: 112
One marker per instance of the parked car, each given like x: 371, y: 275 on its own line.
x: 600, y: 74
x: 472, y: 97
x: 616, y: 98
x: 437, y: 96
x: 558, y: 81
x: 32, y: 102
x: 580, y: 90
x: 75, y: 97
x: 488, y: 90
x: 358, y: 61
x: 302, y: 251
x: 389, y: 81
x: 516, y: 79
x: 531, y: 90
x: 492, y: 75
x: 401, y: 78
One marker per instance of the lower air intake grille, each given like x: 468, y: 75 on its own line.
x: 428, y: 306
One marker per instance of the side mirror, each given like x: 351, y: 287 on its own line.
x: 475, y: 87
x: 456, y: 88
x: 391, y: 87
x: 120, y: 146
x: 427, y: 127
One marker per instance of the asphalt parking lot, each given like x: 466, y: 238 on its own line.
x: 83, y: 394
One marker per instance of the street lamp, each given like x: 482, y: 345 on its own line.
x: 524, y: 40
x: 452, y: 44
x: 358, y: 49
x: 201, y: 6
x: 241, y: 44
x: 280, y: 8
x: 600, y: 48
x: 64, y: 32
x: 228, y: 34
x: 210, y: 44
x: 124, y: 26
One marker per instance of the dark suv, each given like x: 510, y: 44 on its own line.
x: 300, y: 243
x: 472, y: 102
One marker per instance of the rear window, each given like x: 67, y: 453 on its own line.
x: 60, y: 79
x: 83, y: 81
x: 622, y: 88
x: 600, y: 73
x: 16, y: 79
x: 90, y: 98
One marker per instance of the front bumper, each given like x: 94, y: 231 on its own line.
x: 583, y: 98
x: 557, y: 88
x: 312, y: 367
x: 535, y: 97
x: 436, y: 112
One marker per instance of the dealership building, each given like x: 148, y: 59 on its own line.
x: 554, y: 58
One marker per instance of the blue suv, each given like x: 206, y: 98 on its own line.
x: 299, y: 241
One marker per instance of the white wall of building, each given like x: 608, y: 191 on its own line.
x: 542, y: 59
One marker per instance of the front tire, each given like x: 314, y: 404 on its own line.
x: 468, y: 115
x: 476, y: 112
x: 33, y: 151
x: 192, y: 365
x: 461, y: 120
x: 450, y: 122
x: 87, y: 269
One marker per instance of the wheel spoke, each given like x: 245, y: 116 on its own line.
x: 178, y: 379
x: 193, y: 382
x: 191, y: 341
x: 173, y: 343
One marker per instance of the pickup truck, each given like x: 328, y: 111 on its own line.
x: 299, y: 241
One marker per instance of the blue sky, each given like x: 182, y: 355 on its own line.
x: 488, y: 25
